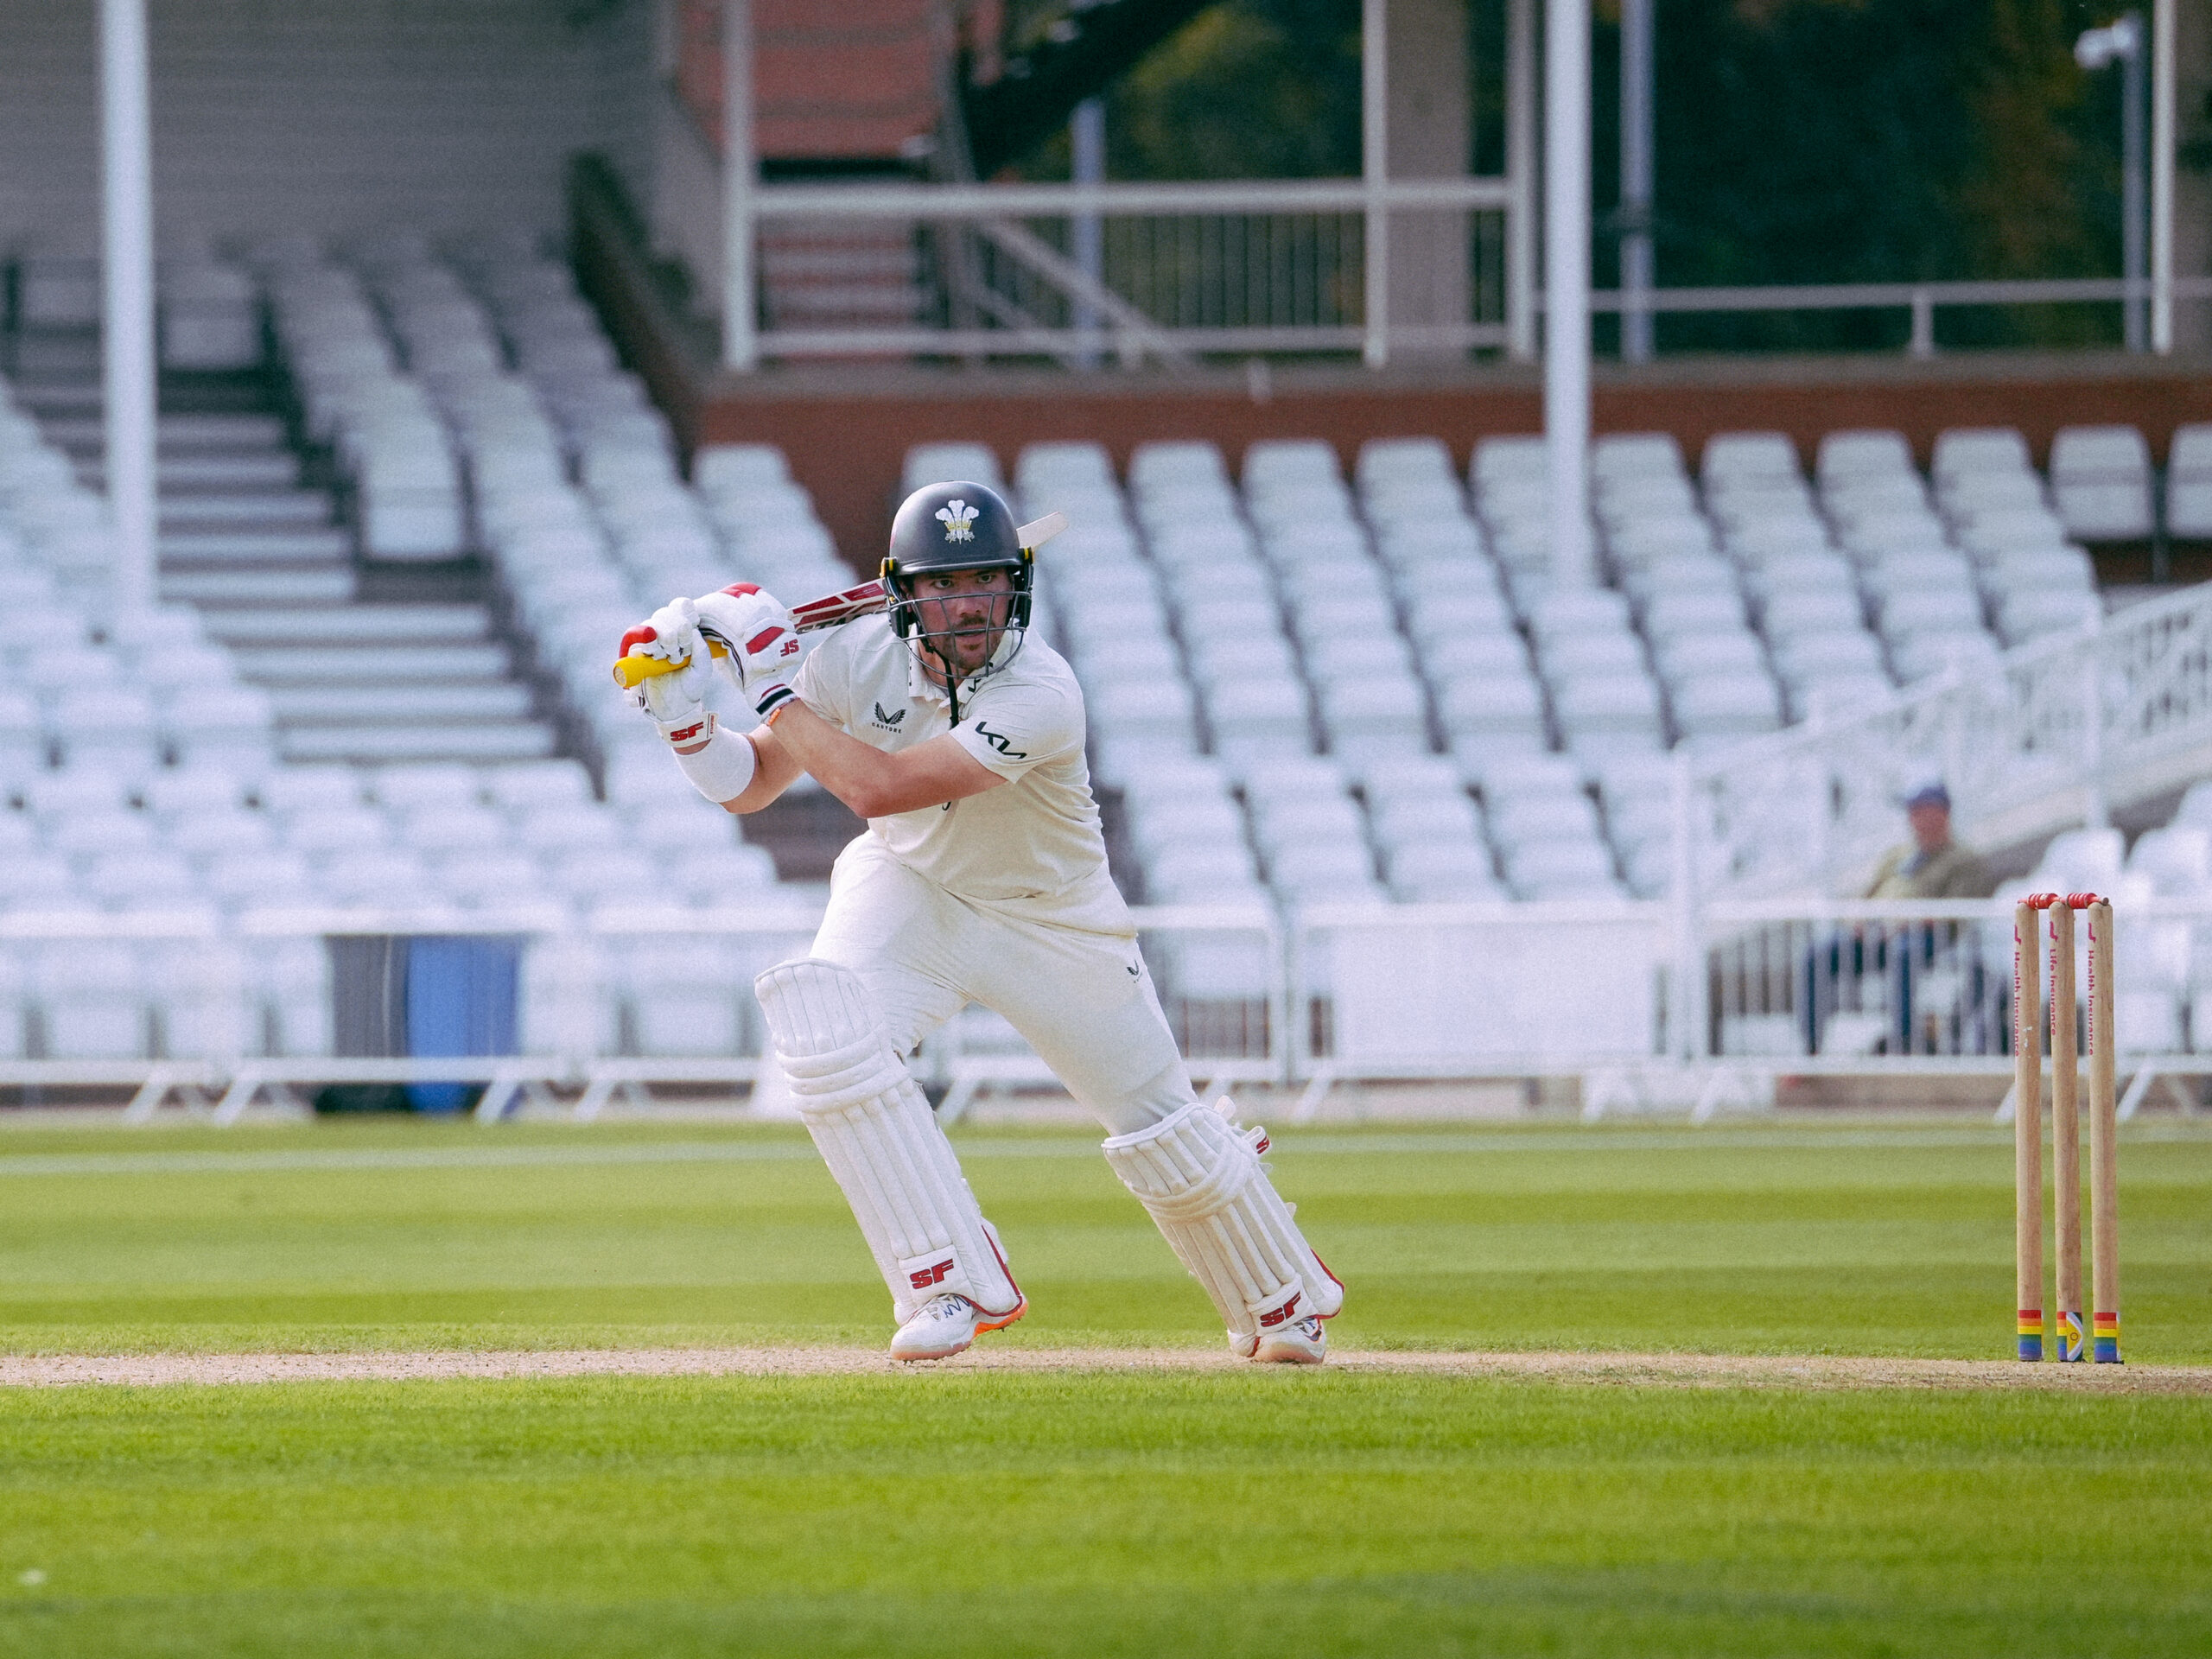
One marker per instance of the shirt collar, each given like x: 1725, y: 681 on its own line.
x: 922, y: 685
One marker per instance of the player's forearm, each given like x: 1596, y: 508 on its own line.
x: 864, y: 779
x: 876, y: 785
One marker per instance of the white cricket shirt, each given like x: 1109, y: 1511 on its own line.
x: 1031, y: 850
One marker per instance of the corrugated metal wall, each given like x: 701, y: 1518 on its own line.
x: 326, y: 116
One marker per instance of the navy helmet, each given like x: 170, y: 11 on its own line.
x: 956, y: 526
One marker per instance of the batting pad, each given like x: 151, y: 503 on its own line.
x: 1199, y: 1175
x: 881, y: 1140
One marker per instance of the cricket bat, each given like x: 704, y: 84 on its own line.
x: 826, y: 612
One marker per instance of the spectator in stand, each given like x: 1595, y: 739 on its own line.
x: 1931, y: 865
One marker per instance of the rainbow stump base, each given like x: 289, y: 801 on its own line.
x: 2032, y: 1333
x: 2072, y: 1349
x: 2107, y: 1339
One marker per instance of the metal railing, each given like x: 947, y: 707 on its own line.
x: 1258, y: 267
x: 1249, y: 267
x: 2044, y: 740
x: 1646, y: 1005
x: 1919, y: 301
x: 593, y: 1022
x: 1287, y: 265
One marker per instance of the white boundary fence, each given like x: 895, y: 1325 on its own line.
x: 1611, y: 994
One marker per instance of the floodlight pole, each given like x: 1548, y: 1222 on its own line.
x: 1375, y: 168
x: 741, y: 178
x: 2162, y: 175
x: 1635, y: 214
x: 1086, y: 232
x: 1567, y: 283
x: 2130, y: 179
x: 1521, y: 179
x: 2122, y: 40
x: 127, y: 364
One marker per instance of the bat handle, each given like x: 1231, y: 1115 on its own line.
x: 630, y: 671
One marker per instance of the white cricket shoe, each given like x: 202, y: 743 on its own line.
x: 947, y: 1324
x: 1301, y: 1342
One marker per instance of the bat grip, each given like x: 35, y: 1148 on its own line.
x: 630, y: 672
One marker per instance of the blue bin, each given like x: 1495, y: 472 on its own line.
x: 460, y: 1000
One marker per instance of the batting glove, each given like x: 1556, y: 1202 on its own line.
x: 763, y: 641
x: 677, y: 703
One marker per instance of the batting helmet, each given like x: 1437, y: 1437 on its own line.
x: 957, y: 527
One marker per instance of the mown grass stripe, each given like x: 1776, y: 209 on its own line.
x: 760, y: 1151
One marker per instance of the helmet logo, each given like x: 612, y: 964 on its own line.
x: 959, y: 519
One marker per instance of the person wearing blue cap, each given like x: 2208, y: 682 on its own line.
x: 1931, y: 865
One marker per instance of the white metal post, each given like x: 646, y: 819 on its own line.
x: 2162, y: 175
x: 1087, y: 148
x: 1567, y: 283
x: 2124, y: 40
x: 741, y: 177
x: 2096, y: 809
x: 1686, y: 1018
x: 127, y: 301
x: 1636, y: 117
x: 1375, y: 171
x: 2134, y: 65
x: 1521, y: 179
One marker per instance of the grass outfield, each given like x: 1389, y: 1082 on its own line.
x: 1093, y: 1511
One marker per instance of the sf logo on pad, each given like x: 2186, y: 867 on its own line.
x: 923, y: 1277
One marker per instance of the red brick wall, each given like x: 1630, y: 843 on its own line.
x: 831, y: 79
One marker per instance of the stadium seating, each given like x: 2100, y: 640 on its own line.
x: 1304, y: 684
x: 1400, y: 616
x: 152, y: 781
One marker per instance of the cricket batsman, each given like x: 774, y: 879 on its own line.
x: 981, y: 877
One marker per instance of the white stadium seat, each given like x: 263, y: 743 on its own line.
x: 2189, y: 482
x: 2100, y: 482
x: 1435, y: 871
x: 1962, y: 450
x: 1749, y: 455
x: 1724, y: 705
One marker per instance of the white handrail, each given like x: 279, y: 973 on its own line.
x: 1196, y: 197
x: 991, y: 208
x: 2044, y: 739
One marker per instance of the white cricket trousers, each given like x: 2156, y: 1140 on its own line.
x: 1085, y: 1001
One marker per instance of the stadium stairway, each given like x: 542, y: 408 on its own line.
x: 363, y: 662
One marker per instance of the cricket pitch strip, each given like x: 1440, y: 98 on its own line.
x: 1804, y: 1372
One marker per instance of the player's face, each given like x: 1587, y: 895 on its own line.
x: 964, y: 613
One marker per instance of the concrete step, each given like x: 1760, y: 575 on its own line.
x: 59, y: 353
x: 248, y: 471
x: 301, y: 544
x: 373, y: 665
x: 243, y: 509
x: 85, y: 437
x: 519, y: 739
x: 314, y: 584
x: 462, y: 703
x: 301, y: 627
x: 58, y: 395
x: 894, y: 264
x: 841, y: 302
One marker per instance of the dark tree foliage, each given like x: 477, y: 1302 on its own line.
x: 1838, y: 141
x: 1247, y: 89
x: 1799, y: 141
